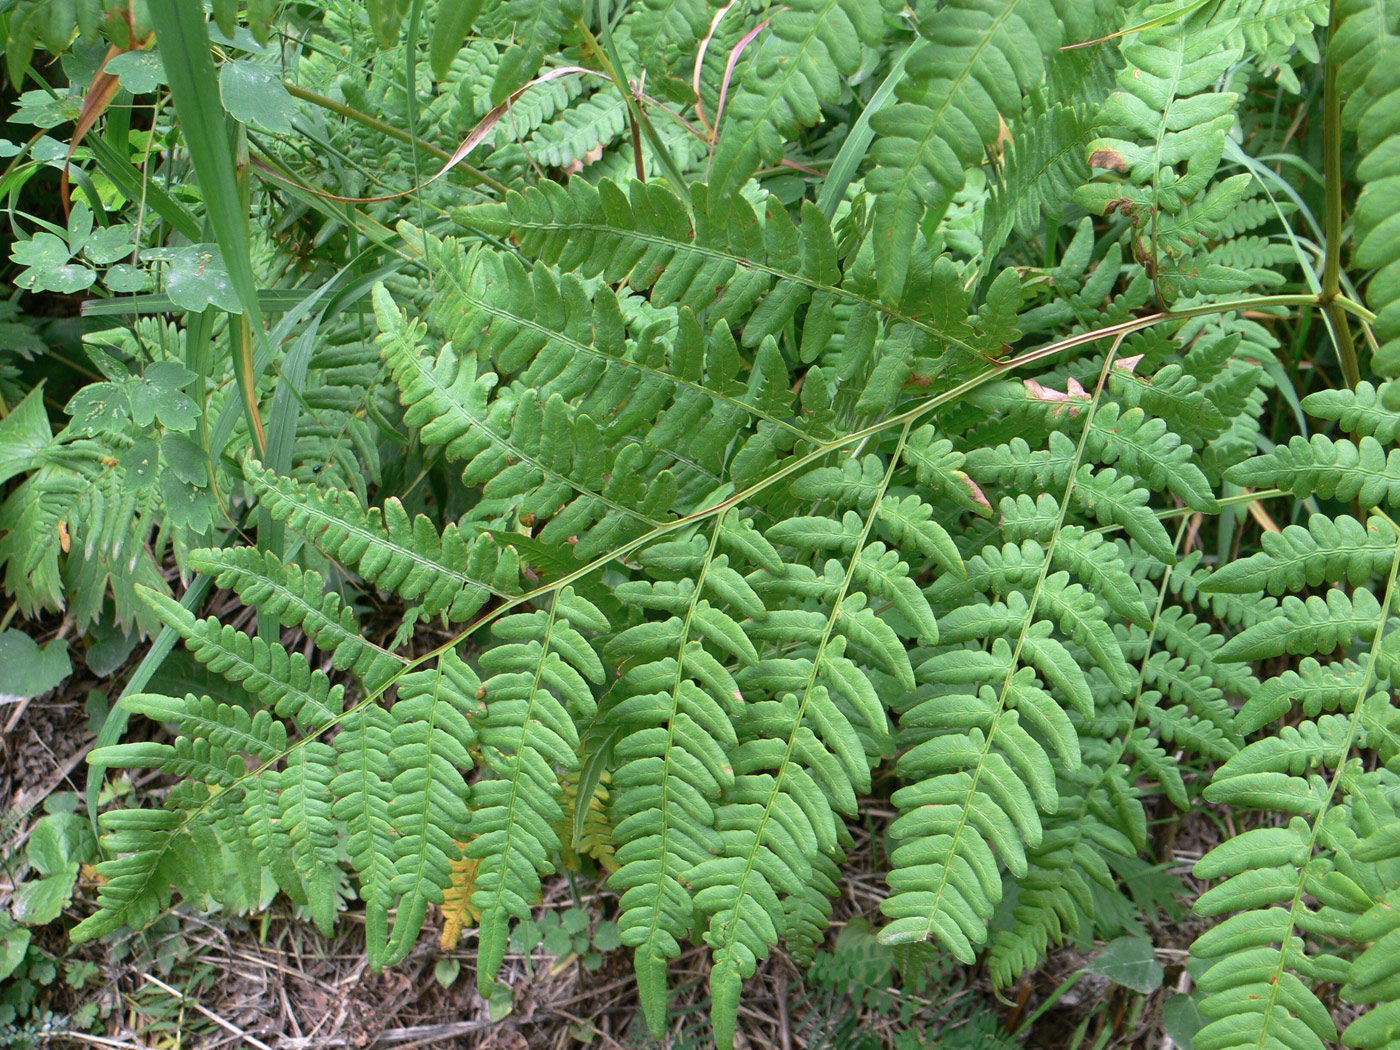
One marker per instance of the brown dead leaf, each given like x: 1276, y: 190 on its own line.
x: 1108, y: 160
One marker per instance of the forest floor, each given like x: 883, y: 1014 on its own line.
x: 272, y: 982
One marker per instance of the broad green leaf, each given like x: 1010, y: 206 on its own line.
x: 253, y: 93
x: 138, y: 71
x: 1131, y: 962
x: 31, y: 669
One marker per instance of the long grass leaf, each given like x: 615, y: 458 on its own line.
x: 853, y: 150
x: 131, y: 183
x: 194, y: 88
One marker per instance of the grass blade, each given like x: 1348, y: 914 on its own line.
x: 847, y: 163
x: 194, y: 88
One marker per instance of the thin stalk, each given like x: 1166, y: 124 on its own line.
x: 385, y: 128
x: 608, y: 57
x: 1332, y: 222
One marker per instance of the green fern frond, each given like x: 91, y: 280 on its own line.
x: 431, y: 740
x: 282, y: 680
x: 1313, y: 688
x: 675, y: 712
x: 1281, y: 883
x: 443, y: 574
x: 1303, y: 627
x: 1056, y: 894
x: 1160, y: 177
x: 985, y: 55
x: 1111, y: 497
x: 1042, y: 166
x: 1363, y: 471
x: 1365, y: 411
x: 537, y: 685
x: 1370, y: 72
x: 807, y: 49
x: 529, y: 453
x: 298, y: 598
x: 799, y: 764
x: 1339, y: 548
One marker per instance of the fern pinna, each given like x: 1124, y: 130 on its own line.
x: 755, y: 504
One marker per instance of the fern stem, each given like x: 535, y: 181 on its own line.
x: 1352, y: 306
x: 1332, y: 220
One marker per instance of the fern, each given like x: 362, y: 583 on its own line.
x: 985, y: 54
x: 1177, y: 131
x: 1369, y: 40
x: 801, y: 57
x: 538, y: 685
x: 1363, y: 470
x: 1260, y: 989
x: 705, y: 480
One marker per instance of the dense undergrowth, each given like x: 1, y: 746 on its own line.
x: 740, y: 416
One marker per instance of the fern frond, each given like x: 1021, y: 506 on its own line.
x: 721, y: 262
x: 1056, y: 892
x: 1042, y: 166
x: 431, y: 738
x: 442, y: 574
x: 1177, y: 128
x: 1341, y: 469
x: 363, y: 793
x: 675, y: 712
x: 799, y: 764
x: 668, y: 31
x: 305, y: 796
x: 1364, y: 412
x: 1339, y: 548
x: 1280, y: 882
x: 537, y: 685
x: 282, y: 680
x: 1111, y: 497
x: 298, y: 598
x: 986, y: 54
x: 457, y: 910
x: 802, y: 56
x: 1313, y: 687
x: 1375, y: 96
x: 530, y: 452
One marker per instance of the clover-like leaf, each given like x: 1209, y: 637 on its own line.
x: 1131, y: 962
x: 253, y: 94
x: 141, y: 463
x: 196, y: 277
x: 45, y: 111
x: 185, y: 458
x: 80, y: 224
x: 107, y: 244
x: 127, y: 278
x: 14, y: 942
x: 99, y: 408
x: 31, y: 669
x: 43, y: 251
x: 159, y: 394
x: 187, y: 506
x: 138, y: 71
x: 41, y: 901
